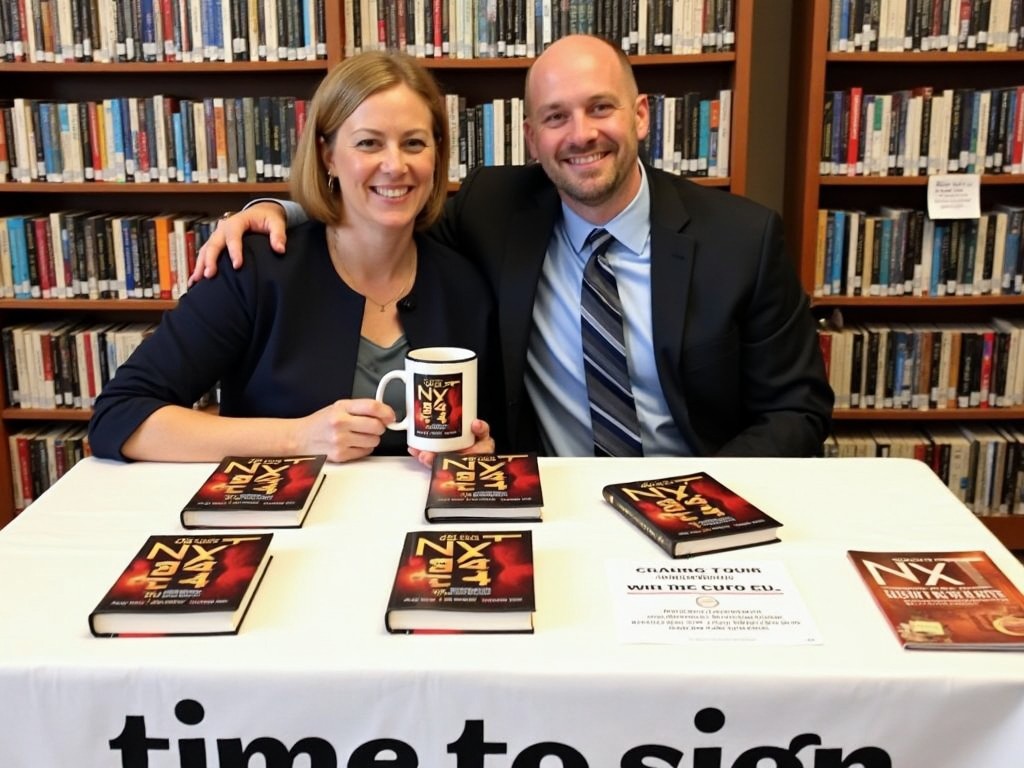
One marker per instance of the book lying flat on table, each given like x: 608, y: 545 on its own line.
x: 944, y: 600
x: 484, y: 487
x: 256, y: 492
x: 185, y: 585
x: 692, y: 514
x: 463, y: 581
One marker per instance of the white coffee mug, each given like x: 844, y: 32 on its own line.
x: 440, y: 398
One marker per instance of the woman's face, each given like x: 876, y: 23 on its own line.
x: 383, y: 156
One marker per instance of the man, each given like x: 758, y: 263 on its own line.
x: 719, y: 341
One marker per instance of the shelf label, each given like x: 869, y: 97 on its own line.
x: 954, y: 196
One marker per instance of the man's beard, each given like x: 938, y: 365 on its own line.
x: 588, y: 191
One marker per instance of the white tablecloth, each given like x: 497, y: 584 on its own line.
x: 313, y: 670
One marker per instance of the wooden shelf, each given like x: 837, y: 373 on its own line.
x: 924, y: 57
x: 930, y: 302
x: 932, y: 414
x: 246, y: 189
x: 46, y: 414
x: 64, y: 305
x: 987, y: 179
x: 76, y: 68
x: 1008, y: 529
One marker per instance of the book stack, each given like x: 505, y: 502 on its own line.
x: 85, y: 255
x: 921, y: 131
x: 156, y: 138
x: 926, y: 366
x: 926, y: 25
x: 466, y: 30
x: 148, y: 31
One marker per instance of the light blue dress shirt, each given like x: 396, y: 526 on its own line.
x: 555, y: 378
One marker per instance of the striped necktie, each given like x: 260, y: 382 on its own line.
x: 612, y: 410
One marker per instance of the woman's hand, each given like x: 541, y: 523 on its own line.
x: 345, y: 429
x: 484, y: 444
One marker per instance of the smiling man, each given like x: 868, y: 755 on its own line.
x: 705, y: 344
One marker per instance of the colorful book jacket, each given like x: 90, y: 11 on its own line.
x: 944, y: 600
x: 484, y: 487
x: 463, y: 581
x: 691, y: 514
x: 184, y: 585
x: 256, y: 492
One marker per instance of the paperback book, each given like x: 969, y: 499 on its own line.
x: 944, y: 600
x: 184, y: 585
x: 502, y: 487
x: 256, y: 492
x: 692, y: 514
x: 463, y: 581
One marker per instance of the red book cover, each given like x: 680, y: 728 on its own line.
x: 691, y: 514
x: 463, y: 581
x: 944, y: 600
x: 854, y: 138
x: 256, y: 492
x: 184, y: 585
x: 1017, y: 154
x: 484, y: 487
x: 44, y: 262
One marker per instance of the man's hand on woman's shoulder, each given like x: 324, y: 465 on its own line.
x: 265, y: 217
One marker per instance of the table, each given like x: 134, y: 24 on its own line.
x: 314, y: 679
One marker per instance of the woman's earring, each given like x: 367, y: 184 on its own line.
x: 332, y: 182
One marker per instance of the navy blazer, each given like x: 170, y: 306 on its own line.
x: 282, y: 336
x: 735, y: 342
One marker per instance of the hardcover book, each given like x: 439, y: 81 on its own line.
x: 256, y: 492
x: 184, y: 585
x: 944, y: 600
x: 692, y: 514
x: 463, y: 581
x: 484, y: 487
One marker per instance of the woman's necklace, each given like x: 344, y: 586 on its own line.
x: 348, y: 279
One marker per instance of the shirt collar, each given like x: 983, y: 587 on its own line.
x: 630, y: 227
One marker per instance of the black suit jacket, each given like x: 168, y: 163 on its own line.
x: 735, y: 342
x: 282, y: 336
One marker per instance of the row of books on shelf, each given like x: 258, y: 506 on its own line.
x: 64, y: 363
x: 923, y: 131
x: 150, y: 139
x: 253, y: 139
x: 982, y: 464
x: 926, y: 25
x: 81, y: 254
x: 514, y: 28
x: 903, y: 252
x: 690, y: 135
x: 161, y: 30
x: 41, y: 455
x: 926, y: 366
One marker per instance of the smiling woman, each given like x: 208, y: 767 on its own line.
x: 299, y: 344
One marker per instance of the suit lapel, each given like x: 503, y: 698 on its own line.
x: 672, y: 261
x: 528, y: 234
x: 672, y: 256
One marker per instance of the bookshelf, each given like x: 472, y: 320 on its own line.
x: 478, y: 80
x: 818, y: 70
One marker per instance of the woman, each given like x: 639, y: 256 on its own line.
x: 299, y: 344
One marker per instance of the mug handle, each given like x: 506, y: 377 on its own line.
x: 387, y: 379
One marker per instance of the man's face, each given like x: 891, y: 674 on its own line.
x: 584, y: 126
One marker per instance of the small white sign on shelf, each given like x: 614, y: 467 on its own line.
x: 954, y: 196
